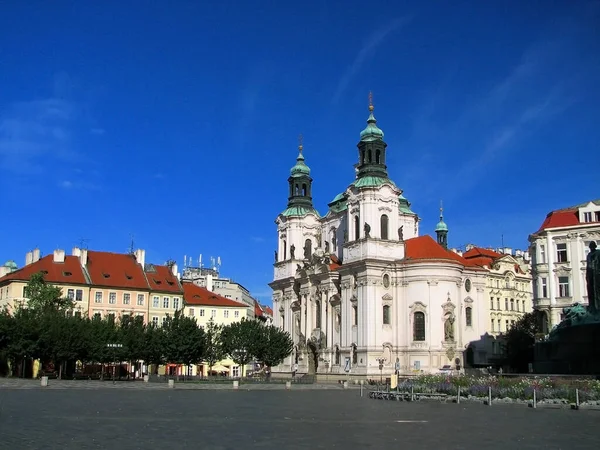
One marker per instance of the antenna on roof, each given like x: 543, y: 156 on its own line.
x: 132, y: 245
x: 200, y: 261
x: 502, y: 235
x: 83, y: 243
x: 184, y: 261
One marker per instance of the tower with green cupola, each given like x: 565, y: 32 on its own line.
x: 441, y: 230
x: 371, y: 149
x: 300, y: 185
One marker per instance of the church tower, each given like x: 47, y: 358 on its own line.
x: 441, y: 230
x: 298, y: 226
x: 371, y: 148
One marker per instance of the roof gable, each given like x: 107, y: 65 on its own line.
x: 425, y: 247
x: 161, y: 278
x: 115, y: 270
x: 67, y: 272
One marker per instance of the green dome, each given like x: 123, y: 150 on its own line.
x: 300, y: 211
x: 404, y: 205
x: 372, y: 132
x: 441, y: 226
x: 11, y: 264
x: 300, y: 168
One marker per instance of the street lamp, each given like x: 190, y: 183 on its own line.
x: 114, y: 347
x: 381, y: 361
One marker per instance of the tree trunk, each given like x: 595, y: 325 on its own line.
x: 60, y: 368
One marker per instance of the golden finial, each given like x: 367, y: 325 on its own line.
x: 371, y: 107
x: 441, y: 209
x: 300, y: 147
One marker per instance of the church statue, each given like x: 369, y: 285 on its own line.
x: 449, y: 328
x: 592, y: 278
x: 367, y: 230
x: 276, y: 256
x: 326, y: 247
x: 345, y: 236
x: 401, y: 233
x: 292, y: 251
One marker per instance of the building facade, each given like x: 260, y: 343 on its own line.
x: 358, y: 288
x: 559, y: 250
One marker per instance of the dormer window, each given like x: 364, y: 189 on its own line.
x: 106, y: 275
x: 587, y: 216
x: 67, y: 274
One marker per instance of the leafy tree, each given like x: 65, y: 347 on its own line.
x: 520, y: 341
x: 213, y: 344
x: 132, y: 335
x: 101, y: 333
x: 25, y: 339
x: 43, y: 297
x: 153, y: 350
x: 241, y: 341
x: 6, y: 333
x: 61, y: 337
x: 183, y: 339
x: 274, y: 345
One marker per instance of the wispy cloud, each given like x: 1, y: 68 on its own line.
x: 373, y: 41
x: 257, y: 239
x: 78, y: 185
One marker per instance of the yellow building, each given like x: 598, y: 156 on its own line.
x: 205, y: 305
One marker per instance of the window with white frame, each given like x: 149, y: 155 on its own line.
x: 226, y: 313
x: 126, y: 298
x: 79, y: 295
x: 493, y: 325
x: 561, y: 253
x: 97, y: 315
x: 498, y: 303
x: 491, y: 303
x: 155, y: 302
x: 70, y: 294
x: 563, y: 287
x: 469, y: 316
x: 587, y: 216
x: 112, y: 298
x: 164, y: 320
x: 236, y: 314
x: 235, y: 371
x: 202, y: 313
x: 176, y: 303
x: 191, y: 312
x: 155, y: 321
x: 542, y: 254
x: 165, y: 302
x: 140, y: 300
x: 544, y: 287
x: 213, y: 313
x: 98, y: 297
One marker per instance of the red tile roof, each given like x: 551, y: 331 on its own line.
x: 425, y: 247
x: 477, y: 251
x: 69, y: 272
x: 161, y: 278
x: 561, y: 218
x: 195, y: 295
x: 258, y: 312
x: 269, y: 311
x: 335, y: 262
x: 115, y: 270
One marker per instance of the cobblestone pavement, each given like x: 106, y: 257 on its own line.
x: 130, y: 418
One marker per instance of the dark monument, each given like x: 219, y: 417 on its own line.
x: 401, y: 233
x: 573, y: 346
x: 292, y: 250
x: 367, y: 230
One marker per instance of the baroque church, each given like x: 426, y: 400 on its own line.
x: 359, y: 290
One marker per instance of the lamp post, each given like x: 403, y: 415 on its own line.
x: 114, y: 347
x: 381, y: 361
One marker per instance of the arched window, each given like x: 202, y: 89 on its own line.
x: 370, y: 156
x: 469, y: 316
x: 318, y: 314
x: 307, y: 249
x: 378, y: 156
x: 284, y: 250
x: 354, y: 314
x: 297, y: 191
x: 362, y: 156
x: 512, y: 304
x: 356, y: 228
x: 386, y: 314
x: 304, y: 192
x: 384, y: 226
x: 419, y: 326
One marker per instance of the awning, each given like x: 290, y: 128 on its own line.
x: 219, y: 368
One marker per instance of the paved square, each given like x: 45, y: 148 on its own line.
x: 220, y: 419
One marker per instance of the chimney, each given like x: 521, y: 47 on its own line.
x: 59, y: 256
x: 4, y: 270
x: 28, y: 258
x: 76, y: 251
x: 209, y: 282
x: 36, y: 255
x: 140, y: 256
x: 83, y: 256
x: 174, y: 269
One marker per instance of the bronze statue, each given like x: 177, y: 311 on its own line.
x: 401, y: 233
x: 367, y: 230
x: 275, y: 255
x: 592, y: 278
x: 292, y: 251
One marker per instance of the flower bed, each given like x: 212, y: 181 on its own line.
x: 556, y: 390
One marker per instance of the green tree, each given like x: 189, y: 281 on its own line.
x: 43, y: 297
x: 183, y: 339
x: 213, y: 344
x: 274, y: 345
x: 132, y: 335
x: 61, y: 338
x: 6, y: 333
x: 520, y: 341
x: 153, y: 351
x: 101, y: 333
x: 24, y: 342
x: 241, y: 341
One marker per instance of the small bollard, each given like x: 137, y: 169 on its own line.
x: 534, y: 399
x: 288, y: 385
x: 577, y: 398
x: 236, y: 384
x: 345, y: 385
x: 44, y: 381
x: 361, y: 389
x: 171, y: 384
x: 146, y: 378
x: 458, y: 396
x: 490, y: 396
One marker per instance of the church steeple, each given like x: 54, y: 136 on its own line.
x: 371, y: 148
x: 300, y: 182
x: 441, y: 230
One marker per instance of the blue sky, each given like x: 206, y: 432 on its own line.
x: 177, y: 122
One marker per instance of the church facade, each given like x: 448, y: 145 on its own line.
x: 359, y: 289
